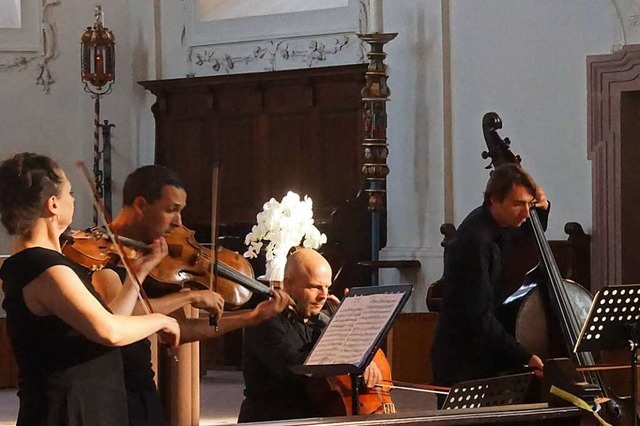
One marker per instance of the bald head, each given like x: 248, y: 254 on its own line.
x: 307, y: 277
x: 304, y: 262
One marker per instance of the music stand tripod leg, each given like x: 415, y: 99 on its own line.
x: 633, y: 347
x: 354, y: 393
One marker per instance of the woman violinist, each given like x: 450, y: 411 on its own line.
x: 153, y: 199
x: 272, y: 391
x: 63, y: 335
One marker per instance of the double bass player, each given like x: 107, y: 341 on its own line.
x: 470, y: 342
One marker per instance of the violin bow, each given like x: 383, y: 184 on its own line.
x: 102, y: 214
x: 415, y: 387
x: 213, y: 278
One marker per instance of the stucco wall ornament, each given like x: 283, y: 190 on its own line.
x: 271, y: 54
x: 48, y: 52
x: 210, y: 49
x: 628, y: 14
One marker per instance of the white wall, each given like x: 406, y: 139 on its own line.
x: 416, y: 189
x: 524, y: 59
x: 60, y: 123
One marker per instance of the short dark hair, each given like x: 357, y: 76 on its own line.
x: 147, y: 182
x: 26, y: 181
x: 503, y: 178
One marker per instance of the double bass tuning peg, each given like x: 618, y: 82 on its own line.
x: 485, y: 155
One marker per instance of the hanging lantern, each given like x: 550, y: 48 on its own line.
x: 98, y: 55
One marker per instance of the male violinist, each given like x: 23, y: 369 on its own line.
x: 272, y: 391
x: 470, y: 342
x: 153, y: 199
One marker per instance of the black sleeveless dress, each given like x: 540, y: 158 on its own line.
x: 64, y: 378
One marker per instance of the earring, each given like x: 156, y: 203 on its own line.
x: 57, y: 218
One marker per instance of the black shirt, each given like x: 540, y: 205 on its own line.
x: 470, y: 342
x: 65, y: 378
x: 272, y: 391
x: 136, y: 357
x: 144, y: 403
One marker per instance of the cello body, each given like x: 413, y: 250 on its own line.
x: 333, y: 394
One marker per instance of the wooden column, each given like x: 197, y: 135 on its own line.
x: 179, y: 381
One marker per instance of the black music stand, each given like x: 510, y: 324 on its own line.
x: 612, y: 323
x: 352, y: 356
x: 503, y: 390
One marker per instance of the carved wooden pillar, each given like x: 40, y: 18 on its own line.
x: 614, y: 150
x: 179, y: 380
x: 375, y: 96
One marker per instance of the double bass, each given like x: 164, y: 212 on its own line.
x: 557, y: 306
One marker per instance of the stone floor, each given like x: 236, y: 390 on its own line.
x: 221, y: 396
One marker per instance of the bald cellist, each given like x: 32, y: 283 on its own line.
x: 272, y: 391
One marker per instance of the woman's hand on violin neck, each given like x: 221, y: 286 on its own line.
x: 209, y: 301
x: 269, y: 308
x: 372, y: 375
x: 170, y: 333
x: 144, y: 264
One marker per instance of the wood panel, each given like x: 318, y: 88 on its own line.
x: 409, y: 346
x: 295, y: 130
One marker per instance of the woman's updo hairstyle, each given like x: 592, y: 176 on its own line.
x: 26, y: 181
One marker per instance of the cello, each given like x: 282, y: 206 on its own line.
x: 334, y: 393
x: 559, y: 307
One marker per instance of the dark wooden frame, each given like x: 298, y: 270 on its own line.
x: 613, y: 131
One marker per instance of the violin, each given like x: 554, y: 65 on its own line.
x: 187, y: 265
x: 93, y: 249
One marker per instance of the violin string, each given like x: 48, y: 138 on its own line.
x: 228, y: 272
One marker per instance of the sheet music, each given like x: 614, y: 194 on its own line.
x: 354, y: 329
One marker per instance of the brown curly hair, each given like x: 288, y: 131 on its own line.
x: 503, y: 178
x: 26, y: 181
